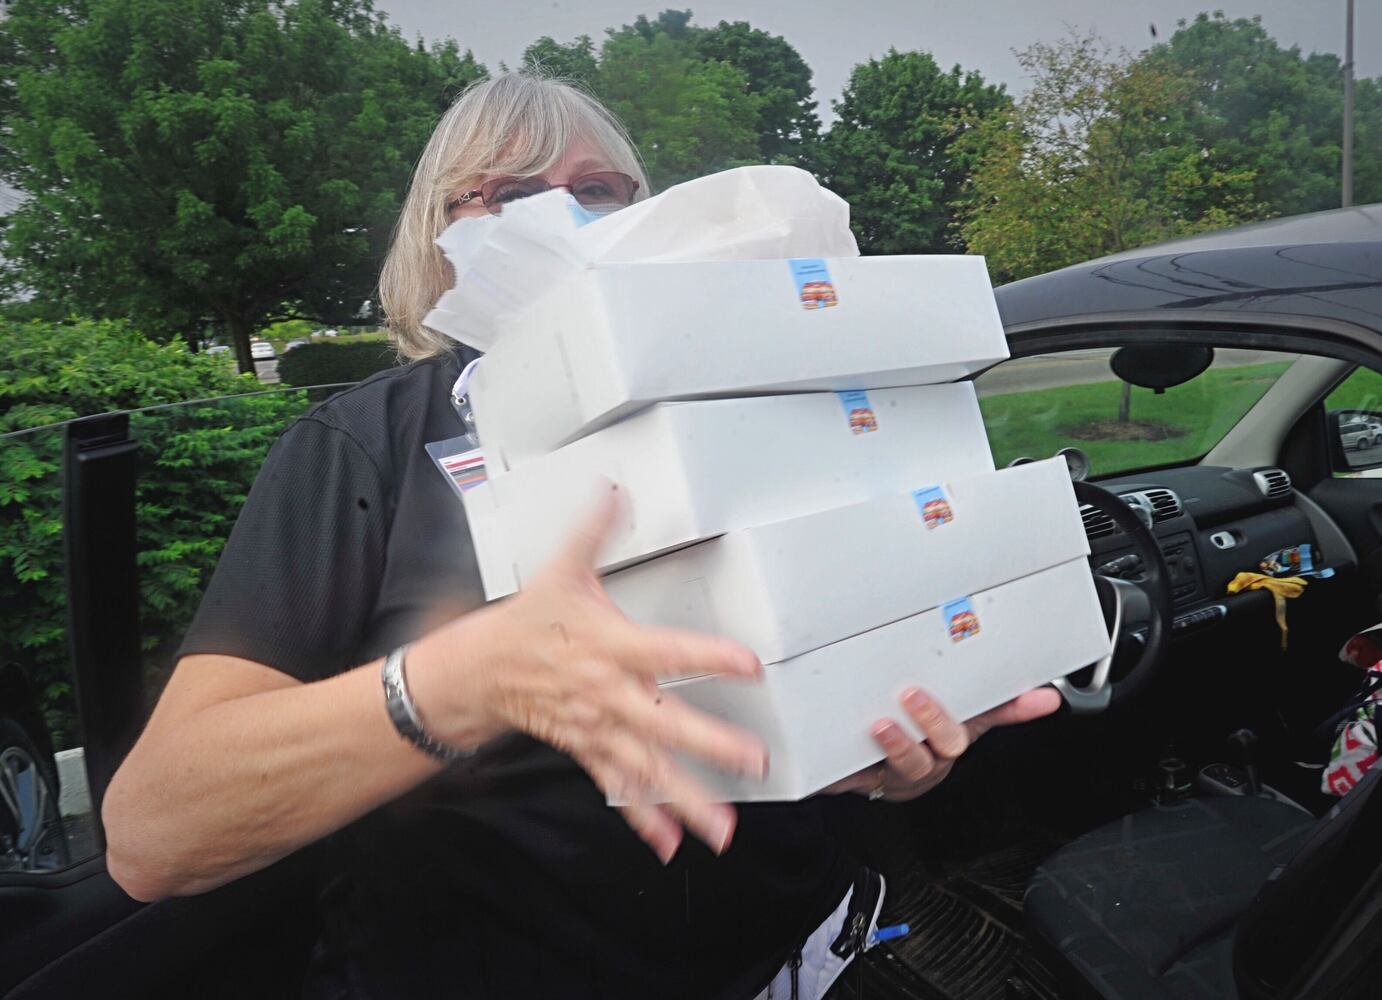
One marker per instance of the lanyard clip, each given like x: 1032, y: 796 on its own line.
x: 460, y: 402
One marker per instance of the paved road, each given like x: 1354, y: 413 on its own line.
x: 1048, y: 371
x: 267, y: 371
x: 1364, y: 457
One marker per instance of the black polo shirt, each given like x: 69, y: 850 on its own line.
x: 506, y: 875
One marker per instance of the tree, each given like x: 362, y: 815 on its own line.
x: 196, y: 465
x: 575, y: 61
x: 777, y: 76
x: 893, y: 154
x: 689, y: 117
x: 1097, y: 157
x: 226, y: 162
x: 695, y: 99
x: 1261, y: 108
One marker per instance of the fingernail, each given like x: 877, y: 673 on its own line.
x: 666, y: 852
x: 888, y: 732
x: 721, y: 834
x: 914, y: 699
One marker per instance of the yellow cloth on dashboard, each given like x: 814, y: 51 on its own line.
x: 1282, y: 588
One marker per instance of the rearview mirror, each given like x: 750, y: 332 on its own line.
x: 1160, y: 366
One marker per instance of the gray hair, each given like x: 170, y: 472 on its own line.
x: 516, y: 123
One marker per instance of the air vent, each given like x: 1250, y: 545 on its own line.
x: 1274, y: 483
x: 1097, y: 524
x: 1165, y: 504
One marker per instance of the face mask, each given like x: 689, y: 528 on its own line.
x: 585, y: 214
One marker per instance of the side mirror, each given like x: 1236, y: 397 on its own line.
x: 1355, y: 439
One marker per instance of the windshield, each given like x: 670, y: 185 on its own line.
x: 1035, y: 406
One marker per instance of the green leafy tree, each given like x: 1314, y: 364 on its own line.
x: 1097, y: 157
x: 695, y: 99
x: 1256, y: 106
x: 575, y: 61
x: 197, y: 462
x: 226, y: 162
x: 689, y: 117
x: 893, y: 151
x: 777, y: 76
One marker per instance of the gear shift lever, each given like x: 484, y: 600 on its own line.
x: 1245, y: 742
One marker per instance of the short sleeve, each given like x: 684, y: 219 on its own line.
x: 301, y: 572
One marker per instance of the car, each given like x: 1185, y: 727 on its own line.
x: 1168, y: 834
x: 218, y: 349
x: 262, y: 350
x: 297, y: 342
x: 1355, y: 435
x: 1359, y: 436
x: 32, y: 835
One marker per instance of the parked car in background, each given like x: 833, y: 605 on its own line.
x: 262, y: 350
x: 218, y: 349
x: 298, y: 342
x: 32, y: 838
x: 1359, y: 434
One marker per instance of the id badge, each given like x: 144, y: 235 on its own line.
x: 460, y: 462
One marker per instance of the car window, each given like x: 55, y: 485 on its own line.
x: 46, y: 822
x: 1035, y: 406
x: 197, y: 463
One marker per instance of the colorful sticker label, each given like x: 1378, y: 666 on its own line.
x: 814, y: 287
x: 934, y: 506
x: 960, y: 619
x: 862, y: 419
x: 460, y: 462
x: 1289, y: 561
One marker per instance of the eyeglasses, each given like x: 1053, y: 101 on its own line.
x: 604, y: 187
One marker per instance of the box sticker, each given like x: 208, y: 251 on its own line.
x: 960, y: 619
x: 934, y: 506
x: 814, y: 287
x: 462, y: 464
x: 862, y: 419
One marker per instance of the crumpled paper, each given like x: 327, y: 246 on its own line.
x: 503, y: 264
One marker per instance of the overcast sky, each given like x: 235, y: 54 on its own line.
x: 832, y: 36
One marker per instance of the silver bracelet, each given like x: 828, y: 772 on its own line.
x: 404, y: 714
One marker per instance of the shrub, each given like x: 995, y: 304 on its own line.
x: 328, y: 363
x: 196, y: 465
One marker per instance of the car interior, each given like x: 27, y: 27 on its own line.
x: 1168, y: 834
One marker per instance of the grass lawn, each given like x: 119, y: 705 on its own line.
x: 1192, y: 418
x: 1360, y: 391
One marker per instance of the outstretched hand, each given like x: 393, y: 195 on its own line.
x: 560, y: 662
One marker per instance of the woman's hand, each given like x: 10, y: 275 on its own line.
x: 912, y: 768
x: 560, y: 662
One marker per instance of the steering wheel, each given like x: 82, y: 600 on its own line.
x: 1138, y: 614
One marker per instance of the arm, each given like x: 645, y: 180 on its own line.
x: 241, y: 764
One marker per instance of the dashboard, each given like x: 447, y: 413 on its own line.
x: 1211, y: 524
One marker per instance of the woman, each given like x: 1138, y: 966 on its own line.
x: 503, y: 873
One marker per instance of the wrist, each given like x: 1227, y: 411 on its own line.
x: 446, y: 691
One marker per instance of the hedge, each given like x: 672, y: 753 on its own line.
x: 197, y: 463
x: 328, y: 363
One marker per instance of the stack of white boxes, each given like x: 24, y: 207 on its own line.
x: 798, y: 475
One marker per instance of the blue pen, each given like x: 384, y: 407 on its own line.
x: 889, y: 933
